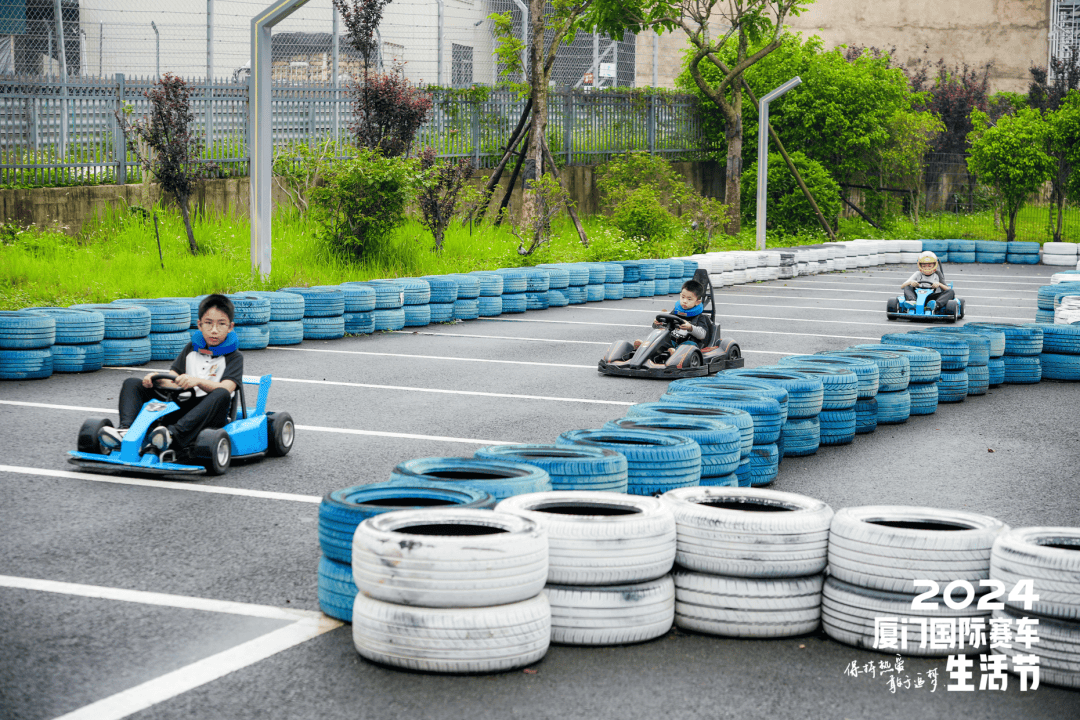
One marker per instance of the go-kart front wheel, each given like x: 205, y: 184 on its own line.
x: 88, y: 436
x: 892, y: 307
x: 281, y: 432
x: 213, y: 451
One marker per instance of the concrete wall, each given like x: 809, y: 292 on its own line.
x: 1014, y: 34
x: 70, y: 208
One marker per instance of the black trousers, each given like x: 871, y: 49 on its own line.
x: 194, y: 416
x: 939, y: 296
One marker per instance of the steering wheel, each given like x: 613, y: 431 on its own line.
x: 670, y: 320
x: 926, y: 286
x: 166, y: 394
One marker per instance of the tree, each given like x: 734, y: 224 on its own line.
x: 1064, y: 148
x: 1048, y: 96
x: 167, y: 132
x: 439, y: 190
x: 1011, y: 156
x: 750, y: 31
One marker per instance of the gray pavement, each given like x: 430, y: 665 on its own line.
x: 365, y: 404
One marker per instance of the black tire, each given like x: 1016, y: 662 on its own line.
x: 88, y: 436
x: 952, y: 310
x: 281, y: 432
x: 892, y: 307
x: 694, y: 360
x: 213, y: 451
x: 734, y: 353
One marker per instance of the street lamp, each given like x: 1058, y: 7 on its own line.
x: 763, y: 152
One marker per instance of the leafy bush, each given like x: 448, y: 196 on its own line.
x: 551, y: 198
x: 641, y: 214
x: 387, y: 113
x: 440, y: 188
x: 625, y: 174
x: 786, y: 207
x: 362, y: 200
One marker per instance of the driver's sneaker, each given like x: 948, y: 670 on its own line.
x: 160, y: 439
x: 111, y: 437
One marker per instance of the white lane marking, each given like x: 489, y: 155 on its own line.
x: 953, y: 277
x: 734, y: 330
x: 552, y: 340
x: 183, y: 602
x: 167, y: 484
x: 761, y: 306
x: 189, y: 677
x: 313, y: 428
x: 723, y: 300
x: 435, y: 357
x: 960, y: 291
x: 1033, y: 278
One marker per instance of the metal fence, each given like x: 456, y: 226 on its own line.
x: 65, y: 133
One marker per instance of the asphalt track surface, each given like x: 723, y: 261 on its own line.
x: 197, y: 599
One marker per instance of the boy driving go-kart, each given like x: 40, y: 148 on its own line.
x: 926, y: 295
x: 694, y: 328
x: 210, y: 367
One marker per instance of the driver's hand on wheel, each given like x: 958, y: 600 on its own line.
x: 686, y: 326
x: 147, y: 382
x: 186, y: 382
x: 657, y: 324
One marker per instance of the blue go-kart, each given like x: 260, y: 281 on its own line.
x: 922, y: 309
x: 250, y: 436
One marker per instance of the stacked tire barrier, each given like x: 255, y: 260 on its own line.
x: 77, y: 347
x: 341, y: 511
x: 1046, y: 559
x: 286, y: 326
x: 1050, y: 296
x: 613, y: 281
x: 26, y: 339
x: 801, y: 434
x: 498, y: 478
x: 876, y: 553
x: 892, y: 404
x: 389, y: 313
x: 537, y: 285
x: 489, y: 302
x: 169, y: 323
x: 924, y: 365
x: 359, y: 308
x: 127, y: 333
x: 953, y: 380
x: 558, y: 284
x: 1059, y: 253
x: 868, y: 377
x: 840, y: 393
x: 750, y: 562
x: 467, y: 305
x: 656, y: 462
x: 427, y: 598
x: 577, y: 467
x: 720, y: 442
x: 442, y: 298
x: 416, y: 298
x: 1022, y: 253
x: 594, y: 291
x: 1023, y: 345
x: 962, y: 251
x: 252, y: 321
x: 741, y: 419
x: 515, y: 284
x: 324, y: 311
x: 1060, y: 356
x: 609, y: 564
x: 978, y: 370
x: 990, y: 251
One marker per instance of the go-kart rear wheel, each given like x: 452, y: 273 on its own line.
x: 213, y: 450
x: 952, y: 311
x: 88, y: 436
x: 281, y: 432
x: 694, y: 361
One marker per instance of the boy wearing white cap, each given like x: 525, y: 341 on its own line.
x: 929, y: 274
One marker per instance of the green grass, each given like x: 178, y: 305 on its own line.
x: 1032, y: 224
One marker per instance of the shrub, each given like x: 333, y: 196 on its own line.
x: 622, y: 176
x: 387, y: 113
x: 641, y: 214
x: 786, y: 207
x: 551, y: 198
x: 362, y: 200
x: 439, y: 191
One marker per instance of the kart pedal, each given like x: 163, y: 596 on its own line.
x: 167, y: 456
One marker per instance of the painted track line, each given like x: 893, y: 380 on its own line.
x: 723, y: 299
x: 739, y: 330
x: 954, y: 277
x: 434, y: 357
x: 313, y: 428
x: 759, y: 306
x: 201, y: 672
x: 553, y: 340
x: 797, y: 288
x: 183, y: 602
x: 167, y: 484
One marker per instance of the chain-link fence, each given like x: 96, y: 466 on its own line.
x: 432, y: 42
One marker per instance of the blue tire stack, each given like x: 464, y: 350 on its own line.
x: 1022, y: 253
x: 442, y: 295
x: 631, y: 278
x: 286, y: 326
x: 558, y: 284
x: 802, y: 431
x: 169, y: 325
x: 995, y: 365
x: 1050, y: 296
x: 252, y: 319
x: 389, y: 313
x: 1023, y: 345
x: 324, y: 311
x: 489, y: 303
x: 613, y: 281
x: 26, y: 339
x: 837, y: 420
x: 78, y: 339
x: 538, y: 282
x: 646, y: 278
x: 576, y: 292
x: 1060, y: 356
x: 892, y: 404
x: 662, y: 274
x: 675, y: 276
x: 656, y: 462
x: 720, y: 442
x: 127, y: 333
x: 978, y: 370
x: 924, y: 366
x: 576, y: 467
x: 990, y: 251
x: 594, y: 291
x: 359, y: 308
x: 938, y: 247
x: 962, y: 251
x: 515, y: 284
x: 953, y: 383
x: 467, y: 305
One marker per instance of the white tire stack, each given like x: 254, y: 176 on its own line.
x: 909, y: 251
x: 610, y: 559
x: 450, y: 590
x: 892, y: 251
x: 1048, y: 557
x: 876, y: 555
x: 750, y: 560
x: 1059, y: 253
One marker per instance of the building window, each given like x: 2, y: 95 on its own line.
x: 461, y: 66
x: 1064, y: 29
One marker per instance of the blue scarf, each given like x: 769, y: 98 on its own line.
x: 692, y: 312
x: 230, y: 344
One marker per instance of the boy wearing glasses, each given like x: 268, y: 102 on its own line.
x: 929, y: 274
x: 210, y: 365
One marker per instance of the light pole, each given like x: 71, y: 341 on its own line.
x: 157, y: 44
x: 763, y: 153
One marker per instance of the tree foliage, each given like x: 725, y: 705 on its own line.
x: 1011, y: 156
x: 167, y: 131
x: 440, y: 188
x: 362, y: 18
x: 786, y: 208
x: 387, y: 113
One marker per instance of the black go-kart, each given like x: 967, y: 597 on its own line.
x: 624, y: 360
